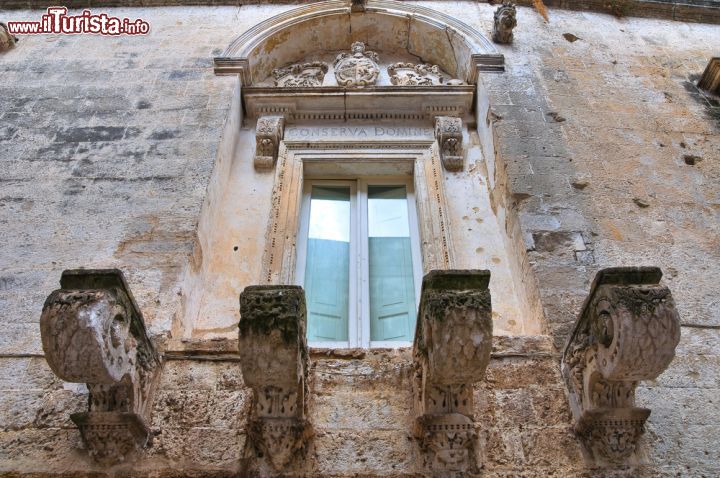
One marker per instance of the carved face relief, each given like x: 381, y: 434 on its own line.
x: 358, y: 68
x: 505, y: 21
x: 301, y: 74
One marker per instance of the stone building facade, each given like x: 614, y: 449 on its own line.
x: 560, y: 196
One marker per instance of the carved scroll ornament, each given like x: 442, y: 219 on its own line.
x: 627, y: 331
x: 448, y: 132
x: 358, y: 68
x: 93, y: 332
x: 273, y: 356
x: 268, y: 134
x: 301, y: 74
x: 451, y: 351
x: 504, y: 22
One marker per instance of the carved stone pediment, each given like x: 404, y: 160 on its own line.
x: 627, y: 331
x: 268, y: 134
x: 273, y: 356
x: 358, y: 68
x: 453, y: 341
x: 301, y: 74
x: 93, y: 332
x: 448, y: 132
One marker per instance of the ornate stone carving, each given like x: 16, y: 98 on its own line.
x: 273, y: 356
x: 505, y: 21
x: 357, y: 6
x: 268, y: 134
x: 358, y: 68
x: 301, y: 74
x: 410, y: 74
x: 448, y: 132
x: 627, y: 331
x: 451, y: 351
x: 7, y: 40
x: 93, y: 332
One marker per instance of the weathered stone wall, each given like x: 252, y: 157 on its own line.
x: 609, y: 156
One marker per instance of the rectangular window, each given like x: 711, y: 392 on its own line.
x: 359, y: 262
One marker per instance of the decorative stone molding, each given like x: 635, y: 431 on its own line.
x: 7, y: 40
x: 301, y: 74
x: 358, y: 68
x: 710, y: 79
x: 448, y: 132
x: 504, y: 22
x: 627, y: 331
x: 453, y: 341
x: 268, y: 134
x: 93, y: 332
x: 274, y: 360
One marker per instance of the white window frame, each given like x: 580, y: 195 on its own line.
x: 359, y: 291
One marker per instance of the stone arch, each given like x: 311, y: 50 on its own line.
x: 386, y: 25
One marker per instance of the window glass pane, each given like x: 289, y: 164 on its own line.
x: 392, y: 291
x: 327, y: 265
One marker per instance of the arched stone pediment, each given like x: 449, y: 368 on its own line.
x: 386, y: 26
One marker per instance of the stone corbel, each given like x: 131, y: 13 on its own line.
x: 453, y: 341
x: 93, y: 332
x: 627, y: 331
x: 449, y: 135
x: 268, y: 134
x: 274, y: 361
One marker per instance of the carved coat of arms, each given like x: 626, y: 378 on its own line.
x: 358, y: 68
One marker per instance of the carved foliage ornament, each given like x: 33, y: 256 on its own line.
x: 451, y: 351
x: 273, y: 356
x: 93, y: 332
x: 448, y: 132
x: 301, y: 74
x: 504, y: 22
x: 627, y: 331
x: 358, y: 68
x: 410, y: 74
x: 268, y: 134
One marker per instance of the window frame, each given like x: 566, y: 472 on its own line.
x: 359, y: 280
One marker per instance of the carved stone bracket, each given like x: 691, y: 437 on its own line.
x: 268, y: 134
x: 274, y: 360
x: 451, y: 351
x: 627, y: 331
x: 93, y: 332
x: 504, y: 22
x: 7, y: 40
x: 448, y: 132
